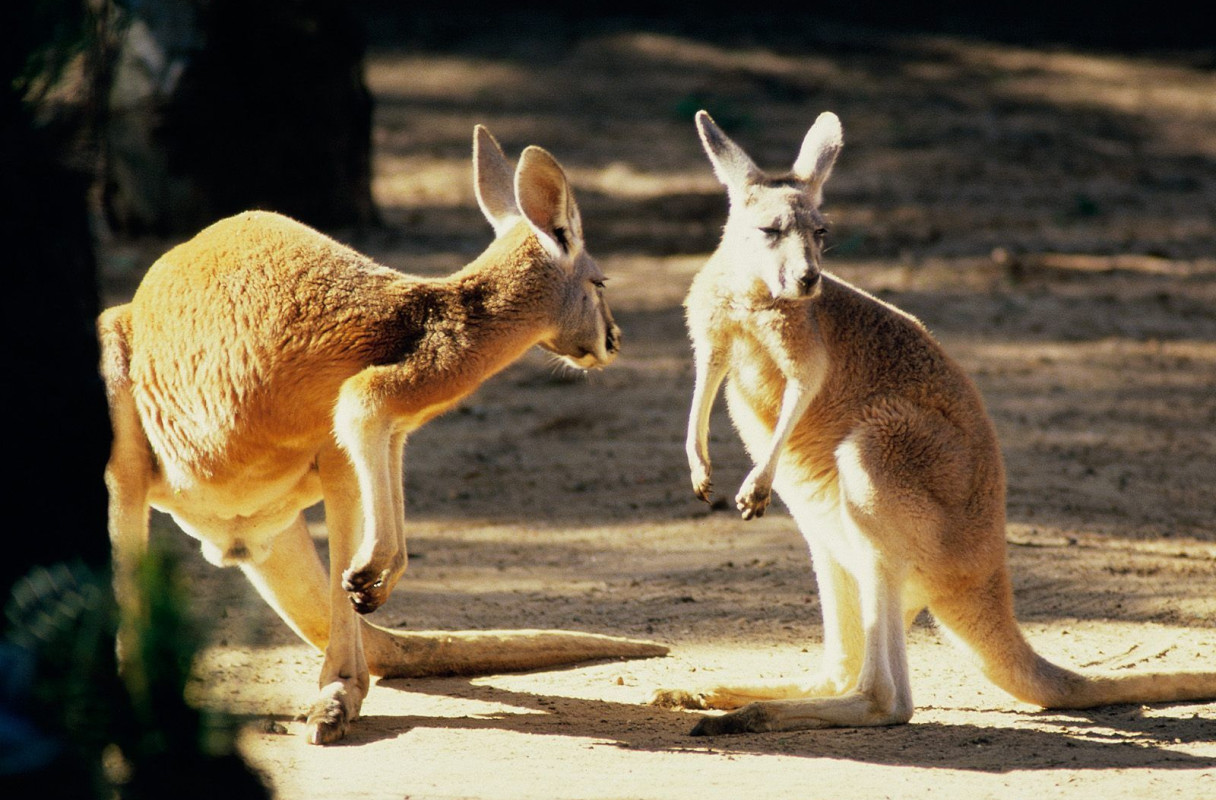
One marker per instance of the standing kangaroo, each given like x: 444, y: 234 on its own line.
x: 880, y: 447
x: 261, y: 367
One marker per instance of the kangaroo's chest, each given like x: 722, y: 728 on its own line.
x: 768, y: 350
x: 765, y: 358
x: 756, y: 378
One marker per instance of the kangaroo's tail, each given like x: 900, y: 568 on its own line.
x: 981, y: 618
x: 293, y: 581
x: 415, y: 654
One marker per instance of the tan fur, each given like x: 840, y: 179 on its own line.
x: 262, y: 367
x: 882, y: 450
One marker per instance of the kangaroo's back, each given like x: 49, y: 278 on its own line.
x: 266, y: 286
x: 255, y: 308
x: 880, y: 355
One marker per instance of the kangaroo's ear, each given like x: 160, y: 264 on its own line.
x: 543, y: 195
x: 493, y: 181
x: 734, y: 168
x: 818, y: 154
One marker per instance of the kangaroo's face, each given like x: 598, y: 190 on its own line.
x: 775, y: 230
x: 581, y: 330
x: 778, y: 233
x: 586, y: 335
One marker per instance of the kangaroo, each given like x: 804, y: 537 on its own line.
x: 261, y: 367
x: 882, y: 450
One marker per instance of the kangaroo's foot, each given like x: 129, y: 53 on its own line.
x: 728, y: 698
x: 330, y: 716
x: 856, y: 709
x: 700, y: 700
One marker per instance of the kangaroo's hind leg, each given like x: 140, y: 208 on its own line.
x: 128, y: 476
x: 843, y: 640
x: 128, y: 472
x: 292, y: 580
x: 882, y: 694
x: 840, y: 604
x: 344, y: 678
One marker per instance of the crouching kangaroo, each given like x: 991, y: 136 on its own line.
x: 261, y: 367
x: 882, y: 450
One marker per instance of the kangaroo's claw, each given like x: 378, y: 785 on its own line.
x: 329, y: 719
x: 367, y: 590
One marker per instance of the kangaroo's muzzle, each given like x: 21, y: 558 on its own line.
x: 810, y: 284
x: 612, y: 341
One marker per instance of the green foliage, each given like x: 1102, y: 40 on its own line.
x: 61, y: 624
x: 130, y: 738
x: 157, y: 671
x: 849, y: 246
x: 48, y: 34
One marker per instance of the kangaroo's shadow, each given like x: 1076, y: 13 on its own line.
x: 1119, y: 736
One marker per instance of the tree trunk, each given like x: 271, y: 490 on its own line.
x: 226, y: 105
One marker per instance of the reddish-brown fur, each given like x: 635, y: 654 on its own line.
x: 262, y: 367
x: 881, y: 448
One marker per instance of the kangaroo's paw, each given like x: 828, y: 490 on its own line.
x: 701, y: 485
x: 753, y: 497
x: 330, y: 716
x: 369, y: 588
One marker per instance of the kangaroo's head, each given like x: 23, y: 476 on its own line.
x: 537, y: 193
x: 774, y: 232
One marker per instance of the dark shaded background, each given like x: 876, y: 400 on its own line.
x: 57, y: 435
x: 1123, y: 25
x: 244, y: 70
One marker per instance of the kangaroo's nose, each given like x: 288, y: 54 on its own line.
x: 809, y: 282
x: 613, y: 340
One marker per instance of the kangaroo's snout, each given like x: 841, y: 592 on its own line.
x: 810, y: 283
x: 612, y: 342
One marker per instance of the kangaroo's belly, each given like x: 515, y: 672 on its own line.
x: 236, y: 518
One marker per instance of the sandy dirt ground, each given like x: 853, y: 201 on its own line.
x: 1051, y: 217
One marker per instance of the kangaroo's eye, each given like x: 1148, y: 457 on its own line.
x: 772, y: 232
x: 599, y: 284
x: 820, y: 233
